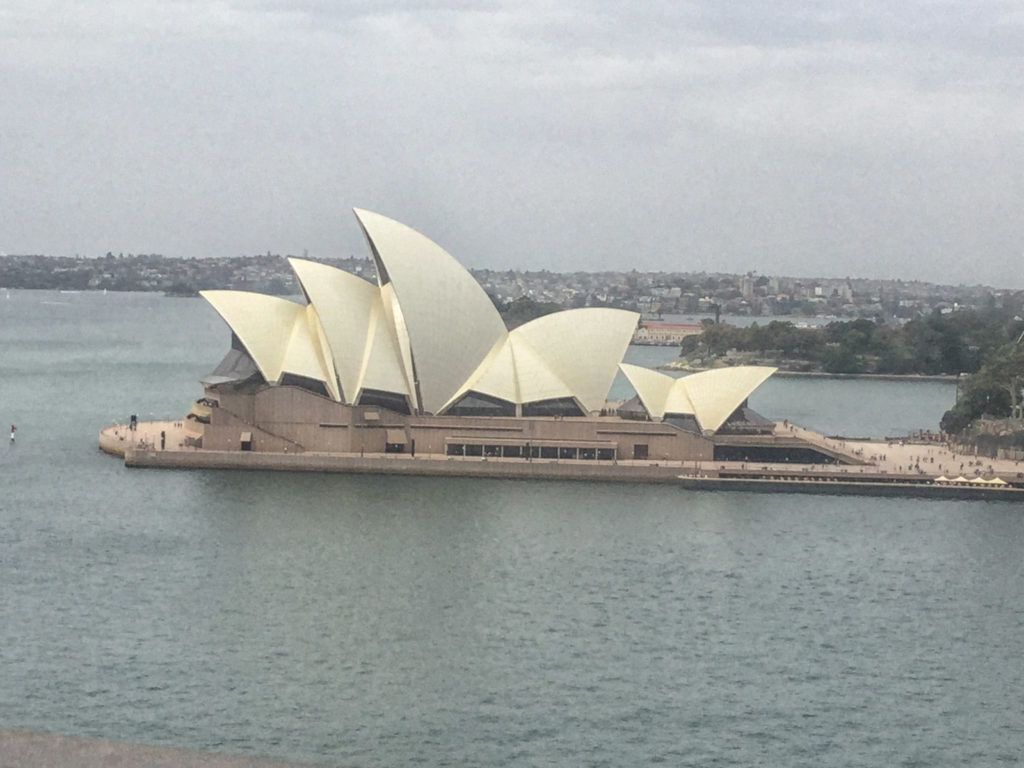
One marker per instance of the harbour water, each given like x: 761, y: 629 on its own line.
x: 367, y: 621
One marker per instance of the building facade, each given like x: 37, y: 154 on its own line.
x: 420, y: 364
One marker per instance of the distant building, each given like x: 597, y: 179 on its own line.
x: 664, y: 334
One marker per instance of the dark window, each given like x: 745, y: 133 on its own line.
x: 534, y: 451
x: 773, y: 453
x: 640, y: 451
x: 685, y: 421
x: 548, y: 452
x: 746, y: 421
x: 390, y: 400
x: 559, y: 406
x: 477, y: 404
x: 605, y: 454
x: 633, y: 409
x: 236, y: 367
x: 588, y: 453
x: 566, y: 453
x: 456, y: 449
x: 492, y: 450
x: 304, y: 382
x: 474, y: 450
x: 515, y: 451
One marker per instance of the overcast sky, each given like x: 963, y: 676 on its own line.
x: 877, y: 138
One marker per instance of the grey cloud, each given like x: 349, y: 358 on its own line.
x: 799, y: 137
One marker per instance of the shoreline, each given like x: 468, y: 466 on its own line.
x: 833, y: 486
x: 784, y: 374
x: 869, y: 376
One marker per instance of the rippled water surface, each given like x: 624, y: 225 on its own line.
x: 368, y: 621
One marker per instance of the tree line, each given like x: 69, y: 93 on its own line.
x: 985, y: 344
x: 950, y: 344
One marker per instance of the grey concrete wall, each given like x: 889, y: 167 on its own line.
x: 593, y: 471
x: 289, y: 416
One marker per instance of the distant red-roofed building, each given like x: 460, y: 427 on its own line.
x: 661, y: 333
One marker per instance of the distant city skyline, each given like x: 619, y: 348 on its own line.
x: 651, y: 293
x: 876, y: 141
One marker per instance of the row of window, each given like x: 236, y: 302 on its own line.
x: 475, y: 403
x: 531, y: 451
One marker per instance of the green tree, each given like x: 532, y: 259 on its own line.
x: 524, y: 309
x: 995, y: 390
x: 840, y: 359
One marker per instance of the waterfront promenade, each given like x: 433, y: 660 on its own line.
x: 164, y: 444
x: 927, y: 459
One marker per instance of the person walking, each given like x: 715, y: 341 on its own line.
x: 13, y: 430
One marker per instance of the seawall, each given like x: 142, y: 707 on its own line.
x: 404, y: 465
x: 873, y: 474
x: 839, y: 487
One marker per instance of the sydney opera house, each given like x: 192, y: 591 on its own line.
x: 419, y: 365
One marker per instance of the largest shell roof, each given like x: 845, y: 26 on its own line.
x: 426, y: 331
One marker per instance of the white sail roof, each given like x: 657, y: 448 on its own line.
x: 516, y: 373
x: 276, y: 333
x: 581, y: 347
x: 426, y: 331
x: 653, y: 389
x: 716, y: 394
x: 709, y: 396
x: 450, y: 321
x: 350, y: 312
x: 495, y: 376
x: 565, y: 354
x: 304, y: 354
x: 535, y: 376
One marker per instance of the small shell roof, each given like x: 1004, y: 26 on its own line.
x: 426, y: 331
x: 351, y: 313
x: 709, y: 396
x: 281, y: 336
